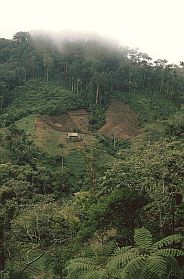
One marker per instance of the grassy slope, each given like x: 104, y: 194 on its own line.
x: 149, y: 107
x: 39, y: 97
x: 49, y: 139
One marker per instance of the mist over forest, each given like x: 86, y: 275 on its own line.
x: 91, y: 159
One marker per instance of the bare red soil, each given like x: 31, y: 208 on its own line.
x: 121, y: 122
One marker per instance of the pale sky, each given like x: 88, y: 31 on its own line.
x: 154, y: 26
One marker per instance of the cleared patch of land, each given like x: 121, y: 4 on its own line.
x: 121, y: 122
x: 68, y: 122
x: 50, y: 132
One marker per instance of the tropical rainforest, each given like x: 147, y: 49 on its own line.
x: 109, y: 205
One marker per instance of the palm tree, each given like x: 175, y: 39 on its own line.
x: 145, y: 260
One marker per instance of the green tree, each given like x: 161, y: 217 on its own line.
x: 19, y: 145
x: 3, y: 93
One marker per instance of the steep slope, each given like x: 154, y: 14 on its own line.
x: 121, y: 121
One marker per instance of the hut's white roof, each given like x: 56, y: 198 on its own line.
x: 72, y: 134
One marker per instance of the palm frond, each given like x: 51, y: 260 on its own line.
x: 143, y: 238
x: 175, y: 238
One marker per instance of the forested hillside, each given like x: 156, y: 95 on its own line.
x: 110, y: 203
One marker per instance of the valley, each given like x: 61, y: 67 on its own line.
x: 91, y: 161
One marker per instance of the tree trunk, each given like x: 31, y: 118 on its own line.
x: 66, y: 71
x: 97, y: 95
x: 25, y: 74
x: 47, y: 74
x: 129, y: 88
x: 60, y: 76
x: 62, y: 162
x: 77, y: 87
x: 72, y: 84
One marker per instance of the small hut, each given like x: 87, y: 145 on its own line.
x: 72, y: 137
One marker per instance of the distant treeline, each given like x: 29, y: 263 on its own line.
x: 88, y: 66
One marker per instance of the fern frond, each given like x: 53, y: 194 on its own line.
x: 109, y: 248
x: 175, y: 238
x: 81, y: 264
x: 105, y: 252
x: 133, y: 267
x: 174, y: 266
x: 143, y: 238
x: 94, y: 274
x: 169, y: 252
x: 157, y: 265
x: 119, y: 261
x: 146, y: 274
x: 114, y: 273
x: 75, y: 274
x: 122, y: 250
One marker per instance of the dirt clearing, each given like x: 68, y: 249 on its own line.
x: 51, y: 132
x: 121, y: 122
